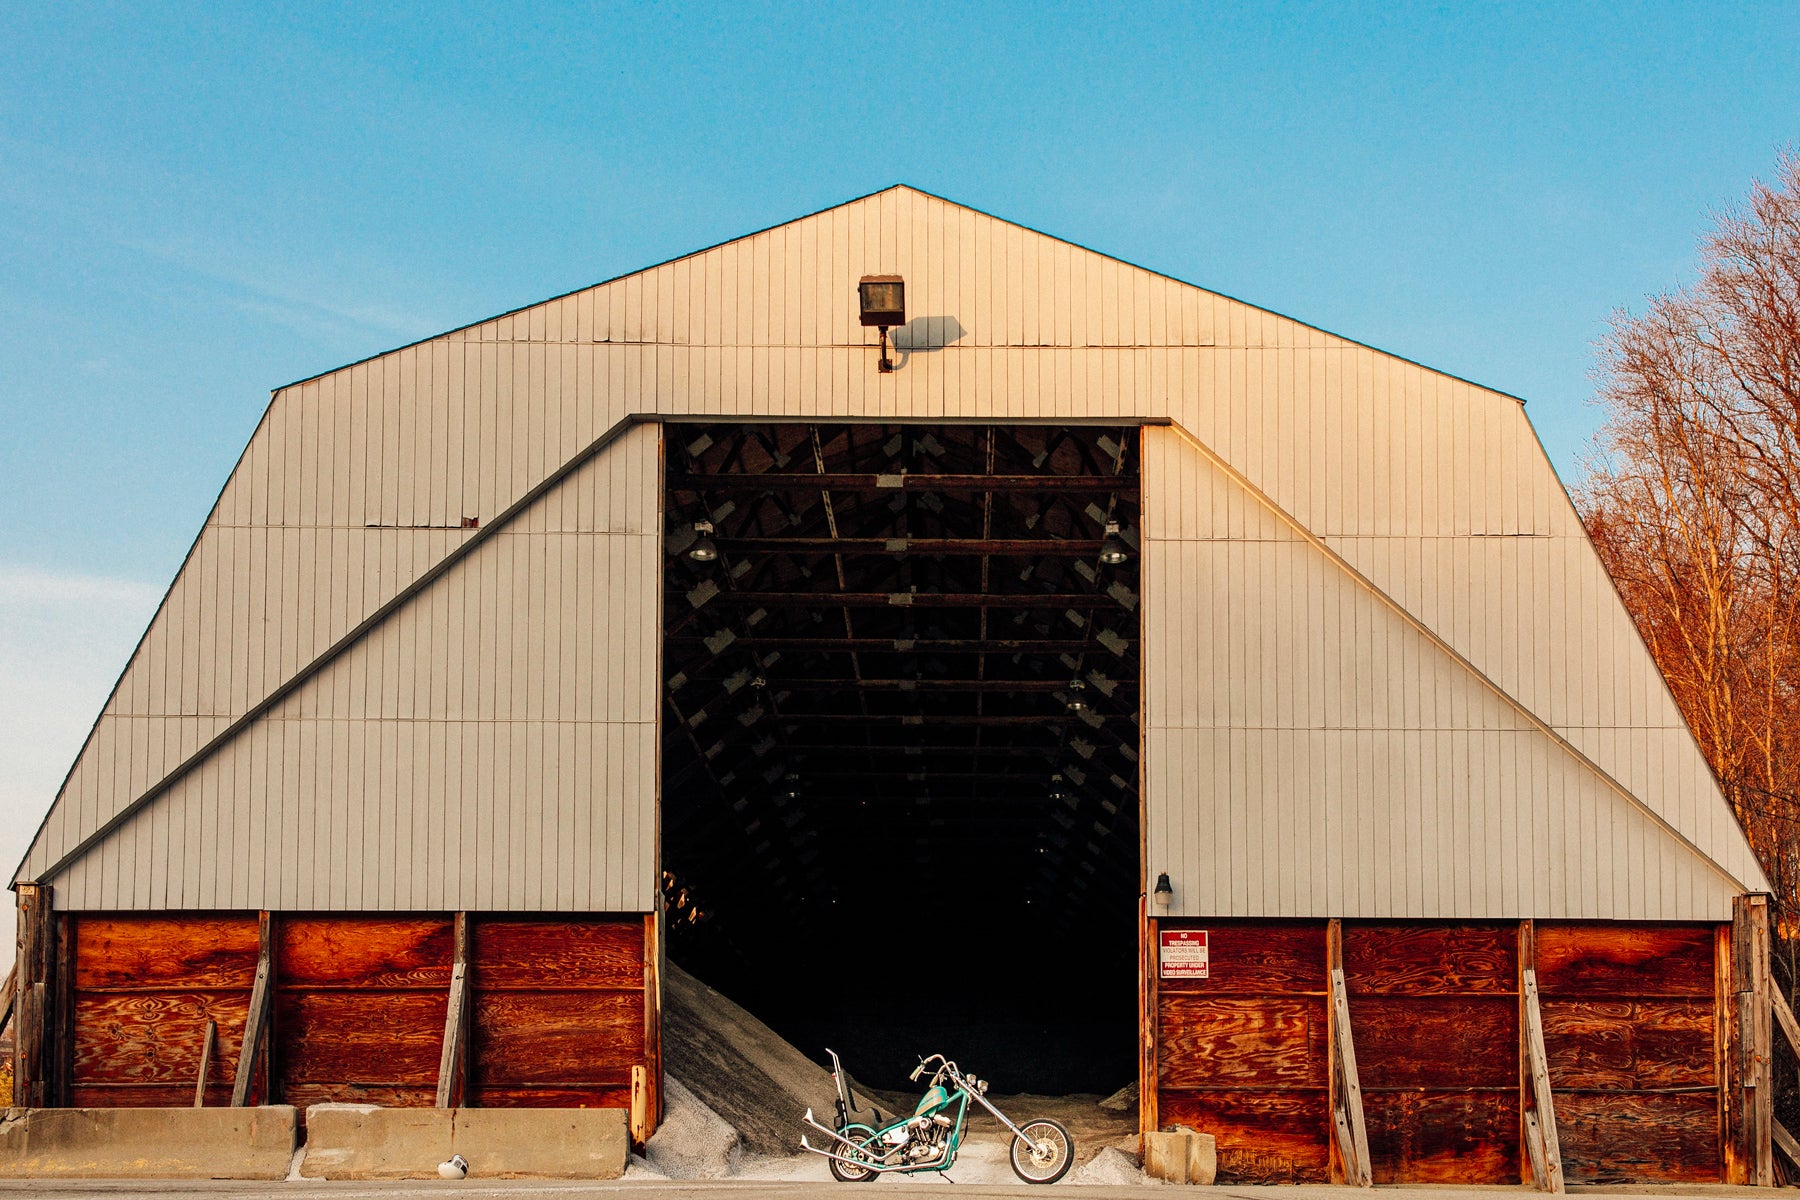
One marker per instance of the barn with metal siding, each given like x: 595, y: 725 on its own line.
x: 442, y: 737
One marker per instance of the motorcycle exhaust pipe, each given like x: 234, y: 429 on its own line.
x: 863, y: 1164
x: 860, y: 1163
x: 833, y: 1134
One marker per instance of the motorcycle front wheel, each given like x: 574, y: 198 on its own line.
x: 1044, y: 1154
x: 843, y: 1172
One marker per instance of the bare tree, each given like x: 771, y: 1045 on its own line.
x: 1694, y: 503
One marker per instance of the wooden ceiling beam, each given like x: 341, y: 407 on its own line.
x: 973, y: 547
x: 685, y: 481
x: 823, y: 599
x: 884, y: 645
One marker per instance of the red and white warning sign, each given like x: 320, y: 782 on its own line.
x: 1184, y: 954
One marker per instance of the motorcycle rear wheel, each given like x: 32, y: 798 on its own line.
x: 843, y: 1172
x: 1044, y: 1154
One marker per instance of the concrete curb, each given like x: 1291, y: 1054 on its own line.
x: 359, y: 1141
x: 160, y: 1143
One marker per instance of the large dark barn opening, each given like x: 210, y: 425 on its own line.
x: 900, y: 750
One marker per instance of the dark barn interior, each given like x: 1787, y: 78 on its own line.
x: 900, y: 760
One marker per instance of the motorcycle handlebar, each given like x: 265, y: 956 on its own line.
x: 926, y: 1062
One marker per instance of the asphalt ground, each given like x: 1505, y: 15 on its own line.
x: 71, y: 1189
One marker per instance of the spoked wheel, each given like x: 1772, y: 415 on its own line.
x: 842, y: 1171
x: 1044, y: 1154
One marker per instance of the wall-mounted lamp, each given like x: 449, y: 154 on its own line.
x: 883, y: 302
x: 704, y: 549
x: 1164, y: 895
x: 1113, y: 550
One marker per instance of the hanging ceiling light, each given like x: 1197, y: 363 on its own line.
x: 1113, y: 549
x: 704, y: 549
x: 1077, y: 695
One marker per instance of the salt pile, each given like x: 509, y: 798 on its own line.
x: 734, y: 1091
x: 1111, y: 1167
x: 740, y: 1068
x: 693, y: 1141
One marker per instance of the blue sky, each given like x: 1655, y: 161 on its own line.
x: 197, y: 206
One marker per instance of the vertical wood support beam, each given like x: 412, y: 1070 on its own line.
x: 60, y: 1044
x: 1351, y: 1133
x: 1543, y: 1147
x: 1149, y: 1120
x: 256, y: 1022
x: 653, y: 951
x: 453, y: 1059
x: 1749, y: 1113
x: 208, y: 1043
x: 1732, y: 1168
x: 35, y: 1005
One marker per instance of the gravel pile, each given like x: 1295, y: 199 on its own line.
x: 735, y: 1092
x: 740, y: 1068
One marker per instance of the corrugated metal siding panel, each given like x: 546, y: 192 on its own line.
x: 1407, y: 472
x: 491, y: 746
x: 1309, y: 753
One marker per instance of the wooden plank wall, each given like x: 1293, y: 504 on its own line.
x: 1242, y: 1054
x: 559, y: 1021
x: 559, y: 1013
x: 145, y: 987
x: 359, y: 1008
x: 1630, y: 1030
x: 1435, y: 1012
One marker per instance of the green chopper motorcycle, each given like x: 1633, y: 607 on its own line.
x: 928, y: 1140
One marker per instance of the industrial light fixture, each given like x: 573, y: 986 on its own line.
x: 1077, y: 696
x: 1113, y: 550
x: 704, y: 549
x: 1164, y: 895
x: 882, y: 299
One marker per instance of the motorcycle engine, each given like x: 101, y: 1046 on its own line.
x: 928, y: 1137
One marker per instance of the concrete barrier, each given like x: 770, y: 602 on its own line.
x: 153, y: 1143
x: 1181, y: 1156
x: 359, y: 1141
x: 548, y: 1143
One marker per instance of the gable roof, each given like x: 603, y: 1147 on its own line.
x: 353, y: 493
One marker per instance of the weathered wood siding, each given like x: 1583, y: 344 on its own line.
x: 1433, y: 490
x: 359, y: 1006
x: 145, y: 986
x: 1631, y: 1035
x: 559, y: 1013
x: 1629, y: 1030
x: 1242, y: 1055
x: 1434, y: 1010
